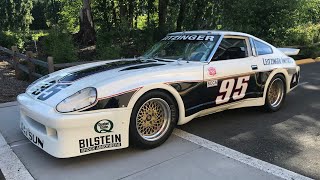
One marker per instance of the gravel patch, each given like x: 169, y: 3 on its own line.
x: 10, y: 87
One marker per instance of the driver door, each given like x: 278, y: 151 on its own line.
x: 230, y: 76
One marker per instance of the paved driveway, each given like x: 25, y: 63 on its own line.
x: 289, y: 138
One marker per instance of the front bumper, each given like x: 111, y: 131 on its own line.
x: 73, y: 134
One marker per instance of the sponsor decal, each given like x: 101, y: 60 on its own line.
x: 100, y: 142
x: 103, y: 126
x: 189, y: 38
x: 41, y: 87
x: 295, y: 80
x: 33, y: 138
x: 272, y: 61
x: 212, y: 83
x: 212, y: 71
x: 52, y: 91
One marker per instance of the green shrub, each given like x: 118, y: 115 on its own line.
x: 59, y: 45
x: 107, y: 47
x: 124, y: 42
x: 304, y: 35
x: 9, y: 38
x: 310, y: 51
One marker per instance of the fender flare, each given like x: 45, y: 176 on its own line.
x: 164, y: 87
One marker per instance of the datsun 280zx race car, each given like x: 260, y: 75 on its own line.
x: 105, y: 105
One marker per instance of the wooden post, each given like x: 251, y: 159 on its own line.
x: 50, y: 64
x: 31, y: 66
x: 18, y: 72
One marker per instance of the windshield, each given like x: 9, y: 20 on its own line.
x: 183, y: 47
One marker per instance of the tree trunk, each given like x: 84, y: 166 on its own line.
x: 198, y: 13
x: 162, y: 14
x: 181, y: 15
x: 149, y: 10
x: 123, y: 11
x: 114, y: 13
x: 131, y: 11
x: 87, y: 34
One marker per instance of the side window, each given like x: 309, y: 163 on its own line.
x: 231, y: 48
x: 262, y: 48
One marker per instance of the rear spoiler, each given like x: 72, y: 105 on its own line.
x: 289, y: 51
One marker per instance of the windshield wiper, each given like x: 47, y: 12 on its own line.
x: 163, y: 60
x: 144, y: 59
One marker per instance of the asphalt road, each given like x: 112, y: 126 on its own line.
x: 289, y: 138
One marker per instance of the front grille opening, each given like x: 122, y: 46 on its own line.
x: 38, y: 126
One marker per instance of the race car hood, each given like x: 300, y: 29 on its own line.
x: 110, y: 76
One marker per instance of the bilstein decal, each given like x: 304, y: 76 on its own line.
x: 103, y: 126
x: 100, y: 142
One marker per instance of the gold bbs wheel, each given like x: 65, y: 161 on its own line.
x: 153, y: 119
x: 276, y: 92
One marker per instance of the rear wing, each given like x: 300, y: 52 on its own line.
x: 289, y: 51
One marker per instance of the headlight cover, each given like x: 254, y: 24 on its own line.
x: 78, y: 101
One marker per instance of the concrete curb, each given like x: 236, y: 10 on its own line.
x: 8, y: 104
x: 306, y: 61
x: 10, y: 165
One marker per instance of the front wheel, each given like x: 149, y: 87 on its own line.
x: 153, y: 119
x: 276, y: 94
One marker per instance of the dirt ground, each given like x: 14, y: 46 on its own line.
x: 10, y: 87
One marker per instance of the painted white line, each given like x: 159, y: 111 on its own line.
x: 20, y: 144
x: 10, y: 165
x: 301, y: 84
x: 251, y: 161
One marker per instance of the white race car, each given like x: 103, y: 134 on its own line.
x: 105, y: 105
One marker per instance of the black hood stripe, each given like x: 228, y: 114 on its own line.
x: 141, y: 66
x: 97, y: 69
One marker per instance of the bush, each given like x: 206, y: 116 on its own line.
x: 107, y: 47
x: 59, y: 45
x: 123, y: 42
x: 9, y: 38
x: 310, y: 51
x: 304, y: 35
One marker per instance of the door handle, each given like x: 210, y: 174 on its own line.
x: 254, y: 67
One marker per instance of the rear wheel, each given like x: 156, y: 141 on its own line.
x: 276, y: 93
x: 153, y: 119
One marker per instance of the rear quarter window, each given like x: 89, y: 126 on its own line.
x: 262, y: 48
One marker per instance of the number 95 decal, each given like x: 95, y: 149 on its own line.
x: 228, y: 86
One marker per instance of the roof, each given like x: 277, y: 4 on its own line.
x: 216, y: 32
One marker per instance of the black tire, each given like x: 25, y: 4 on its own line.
x: 273, y: 107
x: 135, y: 137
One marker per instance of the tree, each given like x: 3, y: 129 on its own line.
x: 15, y: 15
x: 269, y: 20
x: 162, y: 14
x: 86, y: 34
x: 181, y: 15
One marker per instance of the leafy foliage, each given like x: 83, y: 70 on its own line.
x: 60, y: 45
x: 15, y: 15
x: 8, y: 39
x: 125, y: 28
